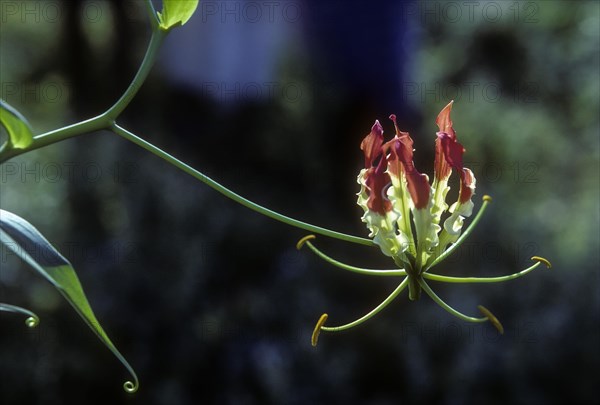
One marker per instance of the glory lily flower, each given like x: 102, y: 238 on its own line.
x: 392, y: 192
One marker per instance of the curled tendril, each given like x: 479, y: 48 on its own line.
x: 32, y: 320
x: 131, y: 387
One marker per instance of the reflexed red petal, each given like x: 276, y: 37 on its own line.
x: 442, y: 169
x: 371, y: 145
x: 448, y: 152
x: 467, y: 185
x: 452, y: 150
x: 418, y: 184
x: 377, y: 182
x: 444, y: 122
x: 418, y: 187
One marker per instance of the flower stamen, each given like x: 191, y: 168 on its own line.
x: 540, y: 259
x: 314, y: 339
x: 303, y: 240
x: 450, y: 279
x: 344, y: 266
x: 369, y: 315
x: 447, y: 307
x: 493, y: 320
x: 486, y: 201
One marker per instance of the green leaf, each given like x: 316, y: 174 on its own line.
x: 29, y: 244
x: 176, y: 12
x: 20, y: 134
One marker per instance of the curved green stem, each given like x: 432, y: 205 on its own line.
x: 230, y: 194
x: 104, y: 120
x: 359, y: 270
x: 152, y: 15
x: 448, y: 279
x: 447, y: 307
x: 465, y: 234
x: 374, y: 312
x: 155, y: 42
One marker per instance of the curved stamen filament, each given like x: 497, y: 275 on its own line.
x: 486, y: 201
x: 447, y: 307
x: 368, y: 316
x: 360, y: 270
x: 448, y: 279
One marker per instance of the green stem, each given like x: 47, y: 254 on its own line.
x: 151, y: 53
x: 447, y: 307
x: 465, y: 234
x: 359, y: 270
x: 57, y: 135
x: 374, y: 312
x: 152, y: 15
x: 233, y: 196
x: 102, y: 121
x: 448, y: 279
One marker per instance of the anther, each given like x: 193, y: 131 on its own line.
x: 315, y: 335
x: 303, y: 240
x: 542, y: 260
x: 487, y: 198
x: 493, y: 320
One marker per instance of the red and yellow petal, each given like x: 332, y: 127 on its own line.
x: 371, y: 145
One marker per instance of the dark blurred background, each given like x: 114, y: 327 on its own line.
x: 210, y: 302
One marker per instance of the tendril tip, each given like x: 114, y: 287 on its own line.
x: 130, y: 387
x: 32, y: 322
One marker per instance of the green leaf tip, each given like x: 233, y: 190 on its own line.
x: 30, y: 245
x: 176, y: 13
x: 20, y: 134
